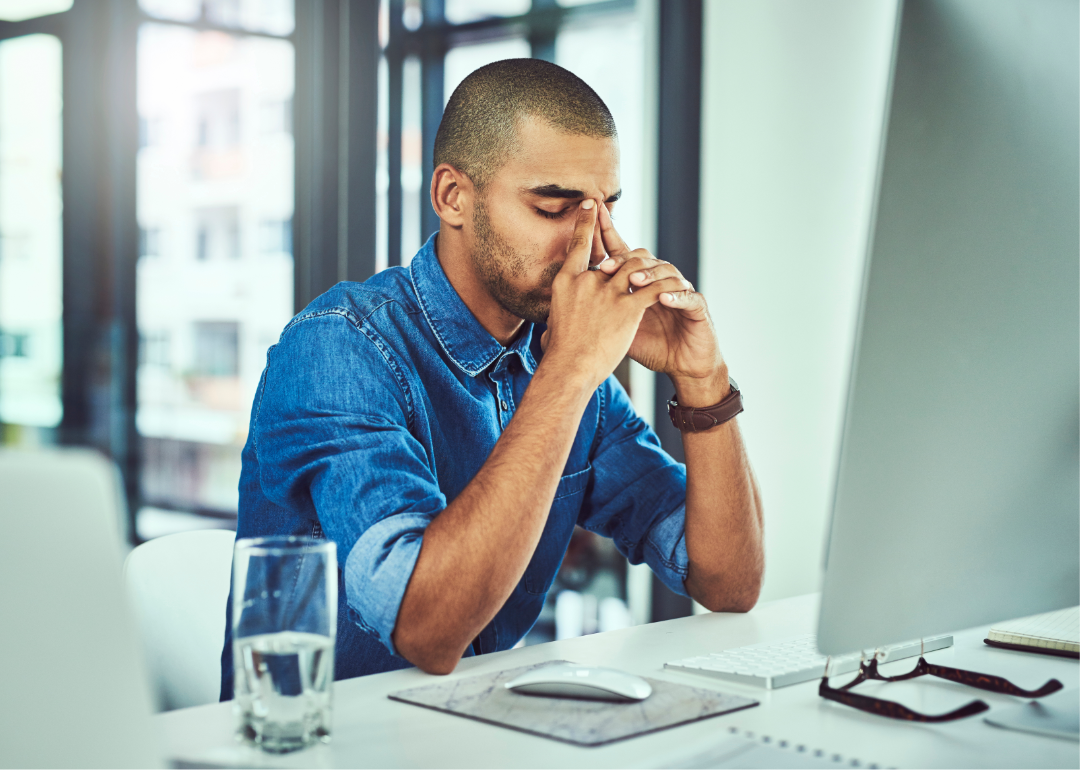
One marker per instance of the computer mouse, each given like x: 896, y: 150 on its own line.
x: 570, y: 680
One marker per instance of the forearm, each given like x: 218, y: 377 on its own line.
x: 724, y: 524
x: 476, y: 550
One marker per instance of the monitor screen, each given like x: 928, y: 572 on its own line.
x: 957, y: 498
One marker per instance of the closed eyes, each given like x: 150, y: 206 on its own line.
x: 561, y: 214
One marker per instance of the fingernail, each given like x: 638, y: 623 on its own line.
x: 588, y: 203
x: 668, y: 297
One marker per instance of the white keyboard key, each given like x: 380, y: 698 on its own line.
x: 779, y: 664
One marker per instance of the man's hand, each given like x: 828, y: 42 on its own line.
x: 597, y: 315
x: 675, y: 335
x: 723, y: 508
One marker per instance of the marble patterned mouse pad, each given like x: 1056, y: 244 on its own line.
x: 583, y: 722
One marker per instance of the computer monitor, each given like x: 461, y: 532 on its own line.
x: 957, y: 499
x: 75, y: 691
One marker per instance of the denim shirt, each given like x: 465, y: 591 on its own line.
x: 379, y: 404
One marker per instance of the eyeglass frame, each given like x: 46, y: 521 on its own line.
x: 894, y: 710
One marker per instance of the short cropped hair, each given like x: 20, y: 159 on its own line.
x: 478, y: 131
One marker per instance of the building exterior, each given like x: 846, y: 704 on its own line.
x: 215, y: 273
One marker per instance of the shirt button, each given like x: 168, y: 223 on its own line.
x: 503, y: 406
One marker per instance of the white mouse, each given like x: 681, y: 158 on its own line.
x: 569, y: 680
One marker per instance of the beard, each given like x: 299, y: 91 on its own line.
x: 497, y: 262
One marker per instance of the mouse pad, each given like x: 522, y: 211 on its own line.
x: 582, y: 722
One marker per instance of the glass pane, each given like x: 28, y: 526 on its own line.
x: 382, y: 169
x: 17, y: 10
x: 215, y: 274
x: 462, y: 11
x: 384, y: 24
x: 178, y: 10
x: 31, y: 297
x: 609, y: 59
x: 464, y: 59
x: 412, y: 181
x: 274, y: 16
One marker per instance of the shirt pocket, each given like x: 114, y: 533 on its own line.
x: 562, y: 517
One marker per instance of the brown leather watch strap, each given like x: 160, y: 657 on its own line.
x: 692, y: 420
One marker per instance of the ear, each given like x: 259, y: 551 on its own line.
x: 452, y: 194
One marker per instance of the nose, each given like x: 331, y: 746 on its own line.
x: 598, y: 253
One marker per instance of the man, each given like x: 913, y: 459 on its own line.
x: 429, y: 424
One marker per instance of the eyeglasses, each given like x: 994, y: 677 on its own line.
x: 887, y: 708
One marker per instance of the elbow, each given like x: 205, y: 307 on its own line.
x: 437, y: 665
x: 741, y: 602
x: 732, y: 595
x: 745, y: 599
x: 431, y: 656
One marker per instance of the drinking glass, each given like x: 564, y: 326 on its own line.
x: 284, y: 617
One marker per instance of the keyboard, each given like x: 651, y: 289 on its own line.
x: 779, y: 664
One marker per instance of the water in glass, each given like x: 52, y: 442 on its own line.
x: 283, y: 689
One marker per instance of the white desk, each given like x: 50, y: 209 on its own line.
x: 372, y: 731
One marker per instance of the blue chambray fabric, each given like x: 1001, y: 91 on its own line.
x: 378, y: 405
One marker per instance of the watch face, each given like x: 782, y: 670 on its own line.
x: 734, y: 385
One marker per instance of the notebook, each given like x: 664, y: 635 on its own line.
x: 1052, y: 633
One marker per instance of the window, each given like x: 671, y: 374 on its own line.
x: 154, y: 349
x: 464, y: 11
x: 31, y: 297
x: 14, y: 345
x: 215, y: 192
x: 217, y: 114
x: 149, y: 242
x: 149, y: 132
x: 274, y: 17
x: 276, y: 236
x: 217, y: 345
x: 18, y: 10
x: 277, y: 116
x: 217, y: 233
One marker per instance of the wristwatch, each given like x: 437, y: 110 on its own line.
x: 694, y: 420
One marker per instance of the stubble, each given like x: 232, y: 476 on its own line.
x: 497, y: 262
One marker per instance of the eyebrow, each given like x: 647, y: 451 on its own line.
x: 558, y: 191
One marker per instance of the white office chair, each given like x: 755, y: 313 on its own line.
x: 179, y: 585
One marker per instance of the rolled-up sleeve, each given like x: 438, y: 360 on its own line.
x: 638, y: 494
x: 333, y: 426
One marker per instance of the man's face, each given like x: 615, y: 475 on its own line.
x: 524, y: 218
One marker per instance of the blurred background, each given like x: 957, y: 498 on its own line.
x: 179, y: 177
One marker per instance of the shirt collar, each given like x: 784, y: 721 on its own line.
x: 463, y: 338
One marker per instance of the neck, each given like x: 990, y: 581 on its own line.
x: 453, y: 254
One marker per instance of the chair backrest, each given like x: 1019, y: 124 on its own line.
x: 179, y: 585
x: 74, y: 690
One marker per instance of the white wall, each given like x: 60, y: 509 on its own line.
x: 794, y: 93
